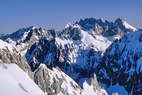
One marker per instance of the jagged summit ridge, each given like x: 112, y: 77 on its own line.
x: 106, y: 28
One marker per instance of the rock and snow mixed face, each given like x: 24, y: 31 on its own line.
x: 56, y: 82
x: 122, y: 63
x: 9, y: 54
x: 24, y: 38
x: 89, y: 90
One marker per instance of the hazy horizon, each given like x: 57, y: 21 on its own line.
x: 52, y: 14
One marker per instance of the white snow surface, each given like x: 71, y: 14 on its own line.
x: 14, y: 81
x: 89, y: 90
x: 98, y: 42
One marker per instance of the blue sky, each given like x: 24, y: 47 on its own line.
x: 15, y: 14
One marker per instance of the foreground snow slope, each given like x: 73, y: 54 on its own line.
x: 14, y: 81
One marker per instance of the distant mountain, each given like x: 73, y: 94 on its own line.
x: 105, y: 26
x: 24, y: 38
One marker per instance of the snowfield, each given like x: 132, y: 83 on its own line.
x: 14, y: 81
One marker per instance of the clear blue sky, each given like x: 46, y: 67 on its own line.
x: 15, y: 14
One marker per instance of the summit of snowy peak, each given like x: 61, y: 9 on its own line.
x: 124, y: 24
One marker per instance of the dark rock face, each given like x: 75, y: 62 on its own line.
x: 76, y: 34
x: 72, y: 32
x: 86, y: 64
x: 45, y: 51
x: 89, y: 23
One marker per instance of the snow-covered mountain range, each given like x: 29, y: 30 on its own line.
x: 64, y: 62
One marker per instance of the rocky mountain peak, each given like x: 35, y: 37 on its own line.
x: 124, y: 25
x: 89, y: 23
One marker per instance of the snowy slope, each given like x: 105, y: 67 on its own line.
x: 128, y: 26
x: 98, y: 42
x: 124, y: 24
x: 14, y: 81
